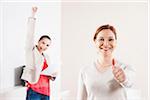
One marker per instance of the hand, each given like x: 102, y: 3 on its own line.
x: 51, y: 78
x: 34, y: 10
x: 119, y: 74
x: 55, y: 74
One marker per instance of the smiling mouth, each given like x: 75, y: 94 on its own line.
x: 40, y: 48
x: 105, y: 50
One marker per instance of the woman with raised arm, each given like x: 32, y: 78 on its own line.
x: 36, y: 62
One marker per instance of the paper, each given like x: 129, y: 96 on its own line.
x: 51, y: 70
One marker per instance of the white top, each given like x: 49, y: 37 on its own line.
x: 96, y: 85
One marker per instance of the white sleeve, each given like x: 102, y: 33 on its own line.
x: 82, y: 93
x: 29, y: 44
x: 130, y: 77
x: 30, y: 33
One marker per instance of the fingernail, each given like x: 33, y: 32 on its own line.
x: 113, y: 63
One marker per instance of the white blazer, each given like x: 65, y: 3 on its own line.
x: 34, y: 60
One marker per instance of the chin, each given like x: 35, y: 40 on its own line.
x: 106, y: 54
x: 43, y: 50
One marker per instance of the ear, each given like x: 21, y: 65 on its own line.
x: 115, y: 42
x: 38, y: 42
x: 94, y: 43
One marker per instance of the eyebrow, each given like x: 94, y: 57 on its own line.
x: 101, y: 37
x: 108, y: 37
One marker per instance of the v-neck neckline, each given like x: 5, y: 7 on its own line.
x: 101, y: 71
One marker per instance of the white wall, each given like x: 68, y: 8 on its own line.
x: 0, y: 43
x: 79, y: 22
x: 31, y: 0
x: 79, y: 0
x: 14, y: 27
x: 106, y: 0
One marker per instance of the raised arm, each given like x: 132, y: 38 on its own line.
x: 29, y: 58
x: 31, y: 29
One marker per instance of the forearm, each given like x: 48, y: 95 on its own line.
x: 30, y: 33
x: 33, y: 15
x: 130, y: 78
x: 127, y: 83
x: 31, y: 29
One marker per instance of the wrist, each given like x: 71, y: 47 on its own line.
x: 33, y: 14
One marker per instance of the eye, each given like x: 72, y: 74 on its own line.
x: 47, y: 45
x: 111, y: 39
x: 101, y: 39
x: 43, y: 42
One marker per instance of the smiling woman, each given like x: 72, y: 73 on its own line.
x: 106, y: 78
x: 37, y: 61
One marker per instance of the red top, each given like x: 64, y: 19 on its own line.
x: 43, y: 84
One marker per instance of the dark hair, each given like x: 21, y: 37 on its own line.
x: 107, y: 26
x: 44, y: 36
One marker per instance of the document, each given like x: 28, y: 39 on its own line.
x: 51, y: 70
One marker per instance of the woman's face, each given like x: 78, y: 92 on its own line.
x: 43, y: 44
x: 105, y: 42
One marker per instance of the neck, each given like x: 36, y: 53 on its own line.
x: 105, y: 61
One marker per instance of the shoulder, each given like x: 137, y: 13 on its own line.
x: 35, y: 48
x: 87, y: 68
x: 84, y: 69
x: 46, y: 56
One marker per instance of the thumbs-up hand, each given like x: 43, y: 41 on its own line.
x: 118, y: 73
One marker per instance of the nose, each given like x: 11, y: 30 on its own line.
x: 105, y: 43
